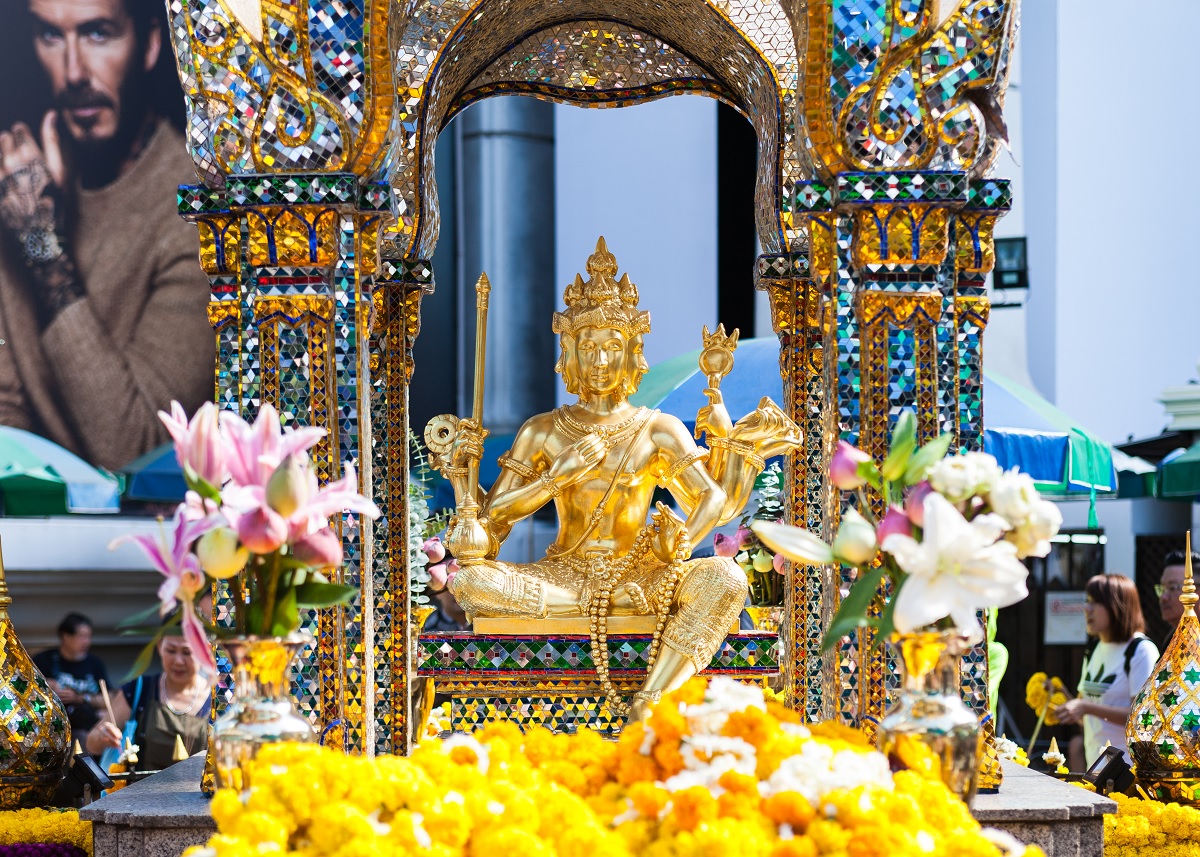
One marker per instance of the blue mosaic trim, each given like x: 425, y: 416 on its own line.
x: 324, y: 189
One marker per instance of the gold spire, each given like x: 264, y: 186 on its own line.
x: 36, y: 731
x: 1164, y: 721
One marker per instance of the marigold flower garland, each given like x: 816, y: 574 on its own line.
x: 716, y: 769
x: 45, y: 826
x: 1148, y: 828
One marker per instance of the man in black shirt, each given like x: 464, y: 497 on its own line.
x: 75, y: 674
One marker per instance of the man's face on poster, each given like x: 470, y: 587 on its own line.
x: 96, y: 59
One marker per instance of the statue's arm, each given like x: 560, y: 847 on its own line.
x: 519, y: 491
x: 688, y: 480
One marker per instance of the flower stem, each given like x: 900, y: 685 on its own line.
x: 1038, y: 728
x: 272, y: 588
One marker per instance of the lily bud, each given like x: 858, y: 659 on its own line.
x: 199, y: 447
x: 288, y: 487
x: 778, y: 561
x: 434, y: 549
x: 914, y: 502
x: 763, y: 562
x: 725, y: 545
x: 843, y: 470
x: 220, y: 555
x: 855, y: 541
x: 322, y: 549
x: 745, y: 537
x: 262, y: 531
x: 893, y: 523
x: 452, y: 570
x: 438, y: 576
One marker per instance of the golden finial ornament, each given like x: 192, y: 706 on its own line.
x: 1163, y: 729
x: 35, y: 735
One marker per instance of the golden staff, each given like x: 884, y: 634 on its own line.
x: 483, y: 288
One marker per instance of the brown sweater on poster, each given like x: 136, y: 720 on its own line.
x: 95, y: 378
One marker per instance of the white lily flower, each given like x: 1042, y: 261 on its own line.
x: 957, y: 568
x: 800, y: 546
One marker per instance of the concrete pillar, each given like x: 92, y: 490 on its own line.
x: 505, y: 226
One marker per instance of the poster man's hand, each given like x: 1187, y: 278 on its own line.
x: 31, y: 178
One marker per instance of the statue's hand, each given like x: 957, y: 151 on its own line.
x: 467, y: 447
x: 669, y: 532
x: 713, y: 418
x: 577, y: 460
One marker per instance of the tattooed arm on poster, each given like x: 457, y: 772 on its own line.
x: 32, y: 184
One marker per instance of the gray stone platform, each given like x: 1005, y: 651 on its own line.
x: 1065, y: 820
x: 160, y: 816
x: 163, y: 815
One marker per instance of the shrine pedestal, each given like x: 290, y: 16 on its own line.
x: 1064, y: 820
x: 550, y: 679
x: 160, y: 816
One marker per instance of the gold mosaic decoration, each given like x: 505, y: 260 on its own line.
x: 346, y: 101
x: 1163, y: 729
x: 35, y: 735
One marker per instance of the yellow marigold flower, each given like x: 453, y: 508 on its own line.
x: 828, y: 836
x: 692, y: 693
x: 835, y: 731
x: 693, y: 807
x: 337, y: 823
x: 740, y: 805
x: 637, y: 835
x: 508, y: 842
x: 798, y: 846
x: 782, y: 713
x: 648, y: 799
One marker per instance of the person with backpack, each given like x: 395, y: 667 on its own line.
x: 1118, y: 663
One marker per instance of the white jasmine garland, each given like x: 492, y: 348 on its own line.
x: 961, y: 477
x: 1006, y: 748
x: 817, y: 770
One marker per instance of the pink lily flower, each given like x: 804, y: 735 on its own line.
x: 843, y: 470
x: 442, y: 574
x: 434, y: 549
x: 317, y: 504
x: 262, y: 530
x: 914, y: 502
x: 745, y: 537
x: 724, y: 545
x: 322, y: 549
x: 255, y: 450
x: 183, y: 579
x: 895, y: 522
x: 199, y: 447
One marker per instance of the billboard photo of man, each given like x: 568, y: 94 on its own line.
x: 102, y: 299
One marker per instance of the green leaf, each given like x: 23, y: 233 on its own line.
x: 141, y: 618
x: 927, y: 456
x: 145, y: 656
x: 904, y: 441
x: 852, y: 612
x: 868, y: 471
x: 314, y: 594
x: 287, y: 614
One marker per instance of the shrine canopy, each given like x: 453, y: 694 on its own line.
x: 1022, y: 429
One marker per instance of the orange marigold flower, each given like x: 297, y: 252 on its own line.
x: 693, y: 807
x: 782, y: 713
x: 833, y: 730
x: 648, y: 799
x: 738, y: 782
x: 669, y: 759
x: 789, y: 808
x: 739, y: 805
x: 753, y: 725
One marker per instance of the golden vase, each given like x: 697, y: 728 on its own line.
x: 930, y: 729
x: 35, y: 735
x: 263, y: 711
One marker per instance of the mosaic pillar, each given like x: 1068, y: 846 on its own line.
x: 799, y: 317
x: 399, y: 287
x: 291, y: 262
x: 907, y: 312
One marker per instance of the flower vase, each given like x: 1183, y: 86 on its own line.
x: 263, y: 711
x: 930, y: 730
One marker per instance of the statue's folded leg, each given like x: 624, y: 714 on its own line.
x: 503, y: 589
x: 707, y: 601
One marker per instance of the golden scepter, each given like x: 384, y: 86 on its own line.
x: 466, y: 537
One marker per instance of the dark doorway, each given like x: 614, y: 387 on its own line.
x: 737, y: 247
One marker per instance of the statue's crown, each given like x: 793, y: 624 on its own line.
x: 601, y: 301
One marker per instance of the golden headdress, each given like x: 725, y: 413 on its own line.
x: 601, y: 301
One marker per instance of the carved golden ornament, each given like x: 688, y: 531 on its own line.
x: 991, y: 773
x: 916, y: 234
x: 975, y: 248
x: 1163, y: 729
x: 221, y: 313
x: 600, y: 302
x: 219, y: 237
x: 35, y: 734
x: 296, y: 236
x: 716, y: 358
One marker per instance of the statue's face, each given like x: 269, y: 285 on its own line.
x: 604, y: 359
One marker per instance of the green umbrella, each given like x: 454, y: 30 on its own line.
x: 1179, y: 476
x: 38, y: 477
